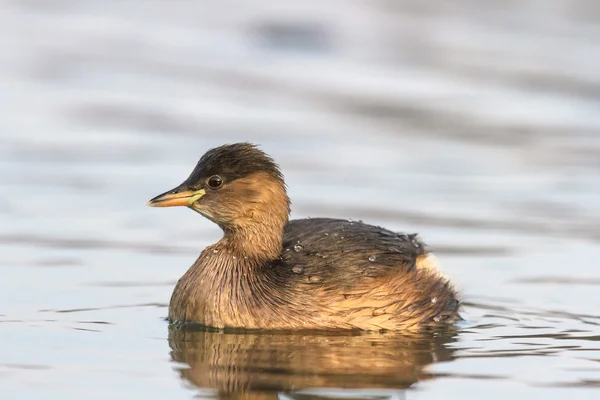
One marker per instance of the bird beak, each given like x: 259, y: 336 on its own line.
x: 180, y: 196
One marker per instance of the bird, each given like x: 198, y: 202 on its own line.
x: 268, y: 272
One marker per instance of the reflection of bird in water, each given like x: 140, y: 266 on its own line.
x: 258, y: 366
x: 270, y: 273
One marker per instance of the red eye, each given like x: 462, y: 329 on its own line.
x: 214, y: 182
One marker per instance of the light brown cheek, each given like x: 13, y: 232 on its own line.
x: 228, y: 214
x: 214, y: 211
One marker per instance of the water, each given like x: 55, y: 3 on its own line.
x: 476, y: 125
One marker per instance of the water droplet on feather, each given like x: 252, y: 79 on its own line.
x: 297, y: 269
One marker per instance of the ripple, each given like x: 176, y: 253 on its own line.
x: 560, y: 280
x: 119, y: 284
x: 83, y: 243
x: 78, y: 310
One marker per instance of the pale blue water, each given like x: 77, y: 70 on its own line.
x: 477, y: 125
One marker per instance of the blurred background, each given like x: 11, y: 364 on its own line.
x: 474, y: 123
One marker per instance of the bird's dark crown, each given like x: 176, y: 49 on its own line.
x: 233, y: 161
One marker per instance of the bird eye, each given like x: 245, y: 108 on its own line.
x: 214, y: 181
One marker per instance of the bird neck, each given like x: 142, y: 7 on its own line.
x: 258, y: 242
x: 257, y: 233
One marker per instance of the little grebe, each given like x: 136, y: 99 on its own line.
x: 317, y: 273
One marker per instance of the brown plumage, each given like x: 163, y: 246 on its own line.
x: 317, y: 273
